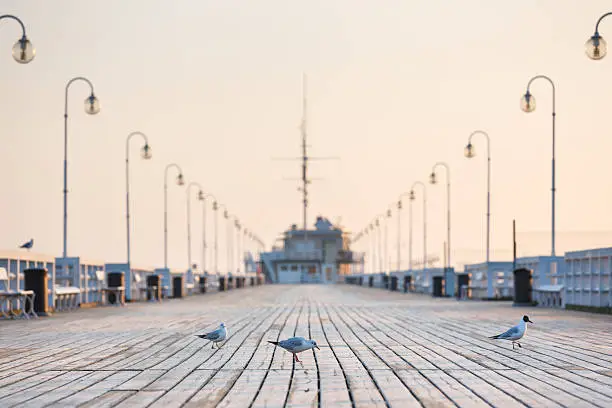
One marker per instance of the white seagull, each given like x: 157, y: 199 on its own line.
x: 515, y: 333
x: 216, y: 336
x: 296, y: 345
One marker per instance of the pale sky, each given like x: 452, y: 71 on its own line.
x: 394, y: 86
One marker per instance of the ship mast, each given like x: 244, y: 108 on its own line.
x: 304, y: 156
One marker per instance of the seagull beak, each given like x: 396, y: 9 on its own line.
x: 531, y: 322
x: 317, y: 347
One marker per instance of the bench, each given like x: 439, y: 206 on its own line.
x: 15, y: 303
x: 66, y: 298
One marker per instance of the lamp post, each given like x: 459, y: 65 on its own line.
x: 372, y: 235
x: 204, y: 242
x: 412, y: 197
x: 145, y: 153
x: 387, y: 264
x: 379, y: 243
x: 216, y: 206
x: 179, y: 181
x: 92, y: 106
x: 528, y: 104
x: 433, y: 180
x: 200, y: 197
x: 469, y: 153
x: 244, y: 248
x: 23, y: 50
x: 236, y: 248
x: 596, y: 47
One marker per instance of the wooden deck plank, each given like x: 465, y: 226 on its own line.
x: 96, y: 390
x: 67, y: 390
x: 184, y: 389
x: 378, y: 348
x: 140, y: 399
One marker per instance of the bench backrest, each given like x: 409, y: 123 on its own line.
x: 4, y: 279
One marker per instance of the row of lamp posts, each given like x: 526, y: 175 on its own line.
x: 24, y: 52
x: 596, y: 48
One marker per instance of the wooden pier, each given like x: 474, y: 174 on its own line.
x: 378, y: 349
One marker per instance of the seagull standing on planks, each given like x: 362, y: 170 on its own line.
x: 296, y: 345
x: 216, y: 336
x: 28, y: 245
x: 515, y: 333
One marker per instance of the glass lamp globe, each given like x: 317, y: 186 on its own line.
x: 23, y: 51
x: 528, y: 103
x: 412, y: 196
x: 596, y: 47
x: 201, y: 195
x: 388, y: 213
x: 432, y: 178
x: 145, y: 152
x: 215, y: 206
x: 180, y: 180
x: 469, y: 151
x: 399, y: 205
x: 92, y: 104
x: 225, y: 214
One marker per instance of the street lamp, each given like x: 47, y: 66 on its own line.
x: 528, y: 105
x: 379, y: 242
x: 179, y: 181
x: 469, y: 153
x: 372, y: 235
x: 216, y: 206
x: 238, y: 248
x: 145, y: 153
x: 412, y: 197
x: 433, y: 180
x: 92, y: 106
x: 228, y: 237
x: 23, y: 50
x: 387, y: 264
x: 596, y: 46
x: 201, y: 196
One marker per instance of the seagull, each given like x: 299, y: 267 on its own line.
x: 296, y: 345
x: 216, y: 336
x: 28, y: 245
x: 515, y: 333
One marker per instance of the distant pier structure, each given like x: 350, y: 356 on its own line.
x: 319, y: 255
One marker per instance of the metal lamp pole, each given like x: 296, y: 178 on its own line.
x: 412, y: 198
x: 432, y: 179
x: 216, y: 206
x: 179, y: 181
x: 92, y: 106
x: 200, y: 198
x: 146, y: 154
x: 528, y: 104
x: 469, y: 153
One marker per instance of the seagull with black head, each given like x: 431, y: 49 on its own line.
x: 514, y: 334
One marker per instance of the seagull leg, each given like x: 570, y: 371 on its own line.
x: 512, y: 345
x: 213, y: 345
x: 519, y: 344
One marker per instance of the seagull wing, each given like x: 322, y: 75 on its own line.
x: 507, y: 334
x: 292, y: 343
x: 214, y: 335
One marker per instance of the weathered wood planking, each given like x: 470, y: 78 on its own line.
x: 378, y: 349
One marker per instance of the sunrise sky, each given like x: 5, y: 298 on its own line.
x: 394, y: 86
